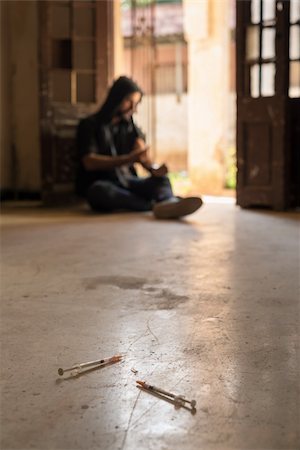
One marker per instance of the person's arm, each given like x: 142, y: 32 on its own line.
x: 94, y: 161
x: 155, y: 169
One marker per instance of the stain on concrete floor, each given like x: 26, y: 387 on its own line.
x: 122, y: 282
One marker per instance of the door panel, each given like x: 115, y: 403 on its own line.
x: 257, y: 167
x: 262, y: 103
x: 76, y: 67
x: 261, y: 162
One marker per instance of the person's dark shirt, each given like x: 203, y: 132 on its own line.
x: 94, y: 136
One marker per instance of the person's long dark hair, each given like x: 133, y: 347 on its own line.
x: 122, y: 87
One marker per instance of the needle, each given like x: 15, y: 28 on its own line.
x: 79, y: 367
x: 177, y: 398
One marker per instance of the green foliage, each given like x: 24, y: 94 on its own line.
x: 180, y: 182
x: 230, y: 176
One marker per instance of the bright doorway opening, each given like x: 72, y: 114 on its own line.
x: 182, y: 53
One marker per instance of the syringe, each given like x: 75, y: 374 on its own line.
x: 77, y: 368
x: 178, y: 399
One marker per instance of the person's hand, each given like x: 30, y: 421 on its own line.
x: 137, y: 155
x: 159, y: 171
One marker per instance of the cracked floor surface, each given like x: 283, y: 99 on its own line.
x: 207, y: 307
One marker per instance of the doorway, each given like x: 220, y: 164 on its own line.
x: 183, y: 55
x: 182, y: 52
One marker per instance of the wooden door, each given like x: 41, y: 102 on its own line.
x: 263, y: 149
x: 294, y: 104
x: 76, y: 67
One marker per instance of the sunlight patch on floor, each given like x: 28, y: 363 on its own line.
x: 219, y: 199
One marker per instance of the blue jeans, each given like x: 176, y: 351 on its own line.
x: 105, y: 195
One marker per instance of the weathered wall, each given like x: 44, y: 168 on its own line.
x: 20, y: 163
x: 171, y: 125
x: 207, y: 33
x: 171, y: 130
x: 118, y: 43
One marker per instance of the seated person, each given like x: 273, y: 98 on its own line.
x: 109, y: 144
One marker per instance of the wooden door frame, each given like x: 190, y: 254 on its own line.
x: 63, y: 119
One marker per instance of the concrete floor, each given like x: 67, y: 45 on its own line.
x: 207, y: 307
